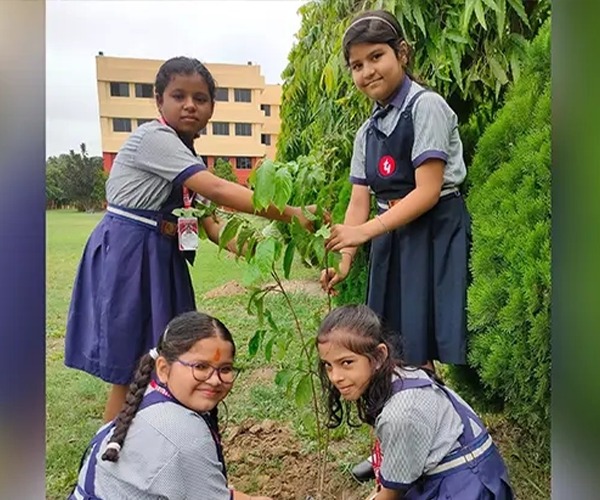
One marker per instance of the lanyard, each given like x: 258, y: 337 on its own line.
x: 187, y: 200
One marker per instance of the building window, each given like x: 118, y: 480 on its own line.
x: 205, y: 160
x: 222, y: 158
x: 266, y: 108
x: 220, y: 128
x: 141, y: 121
x: 122, y: 124
x: 203, y: 131
x: 265, y: 139
x: 243, y: 129
x: 243, y: 163
x: 242, y: 95
x: 119, y: 89
x: 222, y: 95
x: 144, y: 90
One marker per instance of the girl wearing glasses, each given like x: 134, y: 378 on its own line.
x: 165, y: 442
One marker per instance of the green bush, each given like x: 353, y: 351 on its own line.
x: 224, y: 170
x: 509, y: 201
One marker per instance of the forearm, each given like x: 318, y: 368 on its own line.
x: 229, y: 194
x: 411, y: 207
x: 212, y: 226
x: 356, y: 214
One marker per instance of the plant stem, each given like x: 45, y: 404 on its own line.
x: 307, y: 354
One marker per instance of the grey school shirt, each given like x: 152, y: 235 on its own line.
x: 152, y: 161
x: 416, y: 429
x: 168, y: 453
x: 435, y: 134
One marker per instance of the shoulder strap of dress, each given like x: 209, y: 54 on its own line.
x: 414, y: 98
x: 402, y: 384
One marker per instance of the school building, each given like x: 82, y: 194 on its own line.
x: 243, y: 128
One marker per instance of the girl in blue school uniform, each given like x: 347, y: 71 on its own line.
x: 408, y: 156
x: 133, y: 279
x: 165, y: 442
x: 430, y: 445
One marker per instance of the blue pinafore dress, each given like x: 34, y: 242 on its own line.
x: 87, y: 490
x: 131, y: 281
x: 475, y: 471
x: 417, y: 273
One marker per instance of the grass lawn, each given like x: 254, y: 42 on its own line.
x: 75, y: 400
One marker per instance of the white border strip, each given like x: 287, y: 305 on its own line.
x: 444, y: 192
x: 139, y: 218
x: 469, y: 457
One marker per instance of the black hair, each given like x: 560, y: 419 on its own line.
x: 378, y: 26
x: 179, y: 337
x: 363, y: 333
x: 183, y: 66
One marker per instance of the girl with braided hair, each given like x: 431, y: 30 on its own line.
x: 133, y: 278
x: 165, y: 442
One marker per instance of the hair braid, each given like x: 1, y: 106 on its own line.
x: 137, y: 389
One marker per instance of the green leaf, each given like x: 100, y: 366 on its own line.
x: 480, y: 14
x: 309, y: 215
x: 265, y: 256
x: 251, y: 275
x: 282, y: 346
x: 418, y: 16
x: 244, y: 233
x: 269, y: 349
x: 254, y: 343
x: 288, y: 259
x: 319, y: 248
x: 270, y: 230
x: 517, y: 6
x: 467, y: 13
x: 283, y: 188
x: 283, y: 378
x: 501, y: 19
x: 251, y: 247
x: 456, y: 37
x: 229, y: 230
x: 493, y: 5
x: 303, y: 391
x: 264, y: 181
x: 455, y: 58
x: 498, y: 71
x: 324, y: 232
x: 271, y: 321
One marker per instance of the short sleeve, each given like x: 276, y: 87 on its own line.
x: 194, y: 472
x: 433, y: 122
x: 162, y: 153
x: 405, y: 446
x: 358, y: 172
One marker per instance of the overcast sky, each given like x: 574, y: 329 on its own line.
x: 222, y: 31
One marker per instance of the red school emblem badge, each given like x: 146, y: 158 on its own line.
x: 387, y: 166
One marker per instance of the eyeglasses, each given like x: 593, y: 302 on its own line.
x: 203, y: 371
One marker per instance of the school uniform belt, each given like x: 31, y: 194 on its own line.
x: 387, y: 204
x: 460, y: 460
x: 163, y: 226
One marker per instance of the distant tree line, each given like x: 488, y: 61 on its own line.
x: 75, y: 180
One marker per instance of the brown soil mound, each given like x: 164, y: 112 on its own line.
x: 264, y: 458
x: 227, y: 290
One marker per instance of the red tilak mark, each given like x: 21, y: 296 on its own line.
x: 217, y: 356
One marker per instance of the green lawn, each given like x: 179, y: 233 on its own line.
x: 75, y: 400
